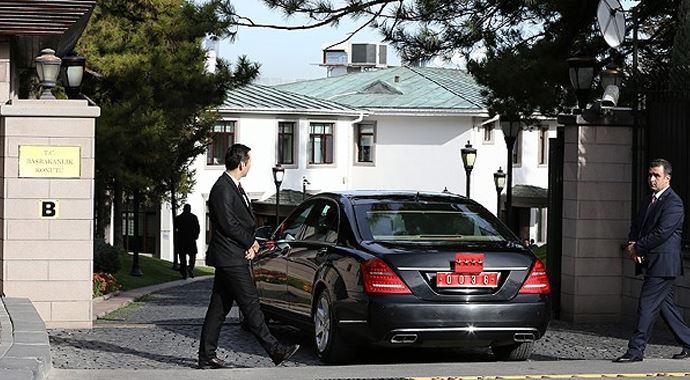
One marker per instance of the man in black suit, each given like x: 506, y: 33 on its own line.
x: 654, y: 246
x: 186, y: 233
x: 232, y: 246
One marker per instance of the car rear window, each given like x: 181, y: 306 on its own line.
x: 428, y: 221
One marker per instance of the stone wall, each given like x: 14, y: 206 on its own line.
x: 596, y: 217
x: 48, y: 260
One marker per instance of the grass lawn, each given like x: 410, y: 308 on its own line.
x: 155, y: 272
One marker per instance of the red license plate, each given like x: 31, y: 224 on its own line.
x: 457, y: 280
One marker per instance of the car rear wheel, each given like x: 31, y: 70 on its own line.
x: 513, y: 352
x: 330, y: 346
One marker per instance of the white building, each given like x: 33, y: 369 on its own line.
x: 396, y: 128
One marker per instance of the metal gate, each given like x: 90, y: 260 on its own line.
x: 667, y: 133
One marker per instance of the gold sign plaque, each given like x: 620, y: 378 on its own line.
x: 49, y: 161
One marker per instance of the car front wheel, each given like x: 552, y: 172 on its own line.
x: 513, y: 352
x: 330, y: 347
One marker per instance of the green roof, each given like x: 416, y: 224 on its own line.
x: 401, y: 88
x: 263, y: 99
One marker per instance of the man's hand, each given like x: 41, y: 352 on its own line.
x: 632, y: 253
x: 251, y: 252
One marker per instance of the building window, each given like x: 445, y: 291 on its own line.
x: 222, y: 138
x: 489, y: 133
x: 517, y: 149
x: 366, y: 134
x: 286, y: 143
x: 321, y: 143
x: 543, y: 146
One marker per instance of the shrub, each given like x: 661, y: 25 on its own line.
x: 106, y: 258
x: 104, y: 283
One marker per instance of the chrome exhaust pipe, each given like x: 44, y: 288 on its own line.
x: 524, y: 337
x: 404, y: 338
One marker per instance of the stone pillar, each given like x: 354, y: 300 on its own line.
x: 46, y: 206
x: 596, y: 217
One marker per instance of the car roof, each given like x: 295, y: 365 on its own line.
x: 395, y: 195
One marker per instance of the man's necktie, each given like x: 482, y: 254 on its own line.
x: 244, y: 195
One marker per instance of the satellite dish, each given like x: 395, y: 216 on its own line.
x: 611, y: 19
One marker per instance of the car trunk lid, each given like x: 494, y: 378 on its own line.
x: 467, y: 273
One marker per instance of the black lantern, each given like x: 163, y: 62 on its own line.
x: 469, y: 155
x: 581, y: 72
x: 47, y: 68
x: 500, y: 183
x: 72, y: 74
x: 278, y: 174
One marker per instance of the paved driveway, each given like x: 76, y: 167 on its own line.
x: 163, y: 333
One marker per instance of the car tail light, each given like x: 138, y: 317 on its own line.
x: 537, y: 281
x: 379, y: 278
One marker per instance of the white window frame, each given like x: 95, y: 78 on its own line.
x: 373, y: 146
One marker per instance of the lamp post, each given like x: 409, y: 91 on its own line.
x: 305, y: 182
x: 469, y: 155
x: 510, y: 128
x: 278, y: 174
x: 500, y: 182
x: 581, y: 73
x: 47, y: 68
x: 73, y: 73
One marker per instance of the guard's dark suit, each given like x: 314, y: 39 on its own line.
x: 187, y: 231
x: 657, y: 232
x: 233, y: 233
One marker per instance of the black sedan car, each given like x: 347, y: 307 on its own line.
x: 396, y: 269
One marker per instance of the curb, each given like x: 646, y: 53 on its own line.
x: 105, y: 305
x: 24, y: 345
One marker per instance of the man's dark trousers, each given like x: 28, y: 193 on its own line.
x: 233, y: 283
x: 656, y: 297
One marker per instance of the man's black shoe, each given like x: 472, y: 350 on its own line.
x: 628, y: 358
x: 281, y: 353
x: 214, y: 363
x: 684, y: 354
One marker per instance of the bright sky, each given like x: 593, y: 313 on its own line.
x: 289, y: 55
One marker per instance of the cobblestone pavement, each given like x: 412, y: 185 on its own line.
x: 163, y: 333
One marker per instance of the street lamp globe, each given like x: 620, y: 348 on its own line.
x: 469, y: 155
x: 500, y: 180
x: 278, y: 174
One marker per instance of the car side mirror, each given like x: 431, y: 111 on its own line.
x: 263, y: 233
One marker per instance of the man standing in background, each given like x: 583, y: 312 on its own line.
x: 186, y: 232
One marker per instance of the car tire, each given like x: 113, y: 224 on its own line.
x: 330, y: 346
x: 513, y: 352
